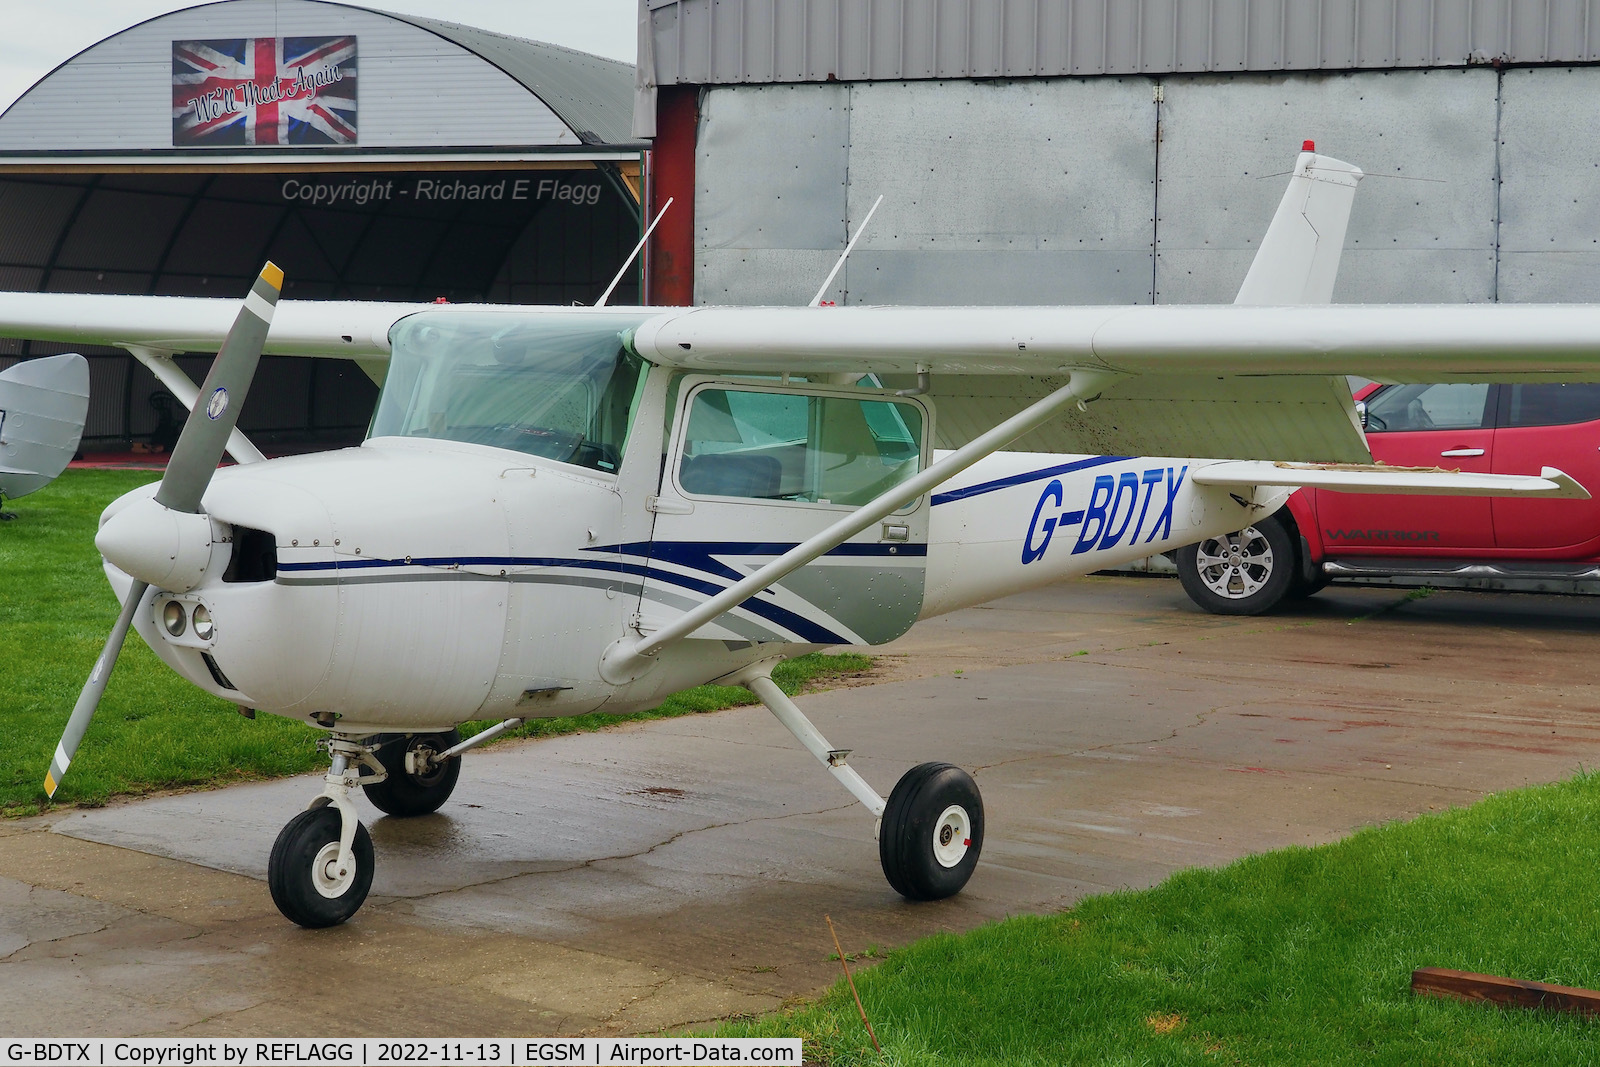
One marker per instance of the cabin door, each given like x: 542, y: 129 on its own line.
x: 754, y: 468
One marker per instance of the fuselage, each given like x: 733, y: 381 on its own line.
x: 421, y: 584
x: 433, y: 576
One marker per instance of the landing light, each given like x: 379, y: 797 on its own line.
x: 202, y: 623
x: 173, y: 618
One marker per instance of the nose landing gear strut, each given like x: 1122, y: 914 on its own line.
x: 321, y: 865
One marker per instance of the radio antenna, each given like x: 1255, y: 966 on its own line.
x: 632, y: 256
x: 816, y: 301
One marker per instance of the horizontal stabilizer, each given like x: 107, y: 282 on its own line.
x: 43, y: 404
x: 1377, y: 478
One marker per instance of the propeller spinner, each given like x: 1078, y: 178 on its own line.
x: 165, y: 541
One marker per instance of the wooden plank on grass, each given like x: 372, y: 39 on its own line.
x: 1506, y: 992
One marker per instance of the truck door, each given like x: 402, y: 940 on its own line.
x: 1557, y: 426
x: 1450, y: 426
x: 752, y: 469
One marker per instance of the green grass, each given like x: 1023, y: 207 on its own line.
x: 155, y: 731
x: 1301, y: 956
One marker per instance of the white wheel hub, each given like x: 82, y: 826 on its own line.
x: 952, y: 836
x: 1234, y: 566
x: 325, y: 873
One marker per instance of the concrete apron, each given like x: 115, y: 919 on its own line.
x: 669, y: 873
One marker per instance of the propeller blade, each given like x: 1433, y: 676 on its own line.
x: 89, y: 699
x: 194, y: 460
x: 205, y: 432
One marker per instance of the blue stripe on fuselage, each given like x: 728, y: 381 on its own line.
x: 1023, y: 479
x: 686, y: 554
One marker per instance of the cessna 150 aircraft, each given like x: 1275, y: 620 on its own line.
x: 565, y: 509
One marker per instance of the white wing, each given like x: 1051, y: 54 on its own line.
x: 342, y: 328
x: 1229, y: 382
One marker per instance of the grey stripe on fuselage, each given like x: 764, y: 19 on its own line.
x: 745, y: 628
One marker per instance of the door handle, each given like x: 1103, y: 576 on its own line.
x: 1462, y: 452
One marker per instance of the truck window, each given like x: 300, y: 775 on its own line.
x: 1452, y: 406
x: 1550, y: 404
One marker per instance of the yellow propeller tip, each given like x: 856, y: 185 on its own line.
x: 273, y: 275
x: 50, y: 786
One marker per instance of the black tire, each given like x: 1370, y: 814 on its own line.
x: 921, y: 856
x: 405, y: 794
x: 1309, y: 580
x: 294, y: 878
x: 1244, y: 573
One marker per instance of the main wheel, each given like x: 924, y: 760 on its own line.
x: 1244, y: 573
x: 404, y: 793
x: 303, y: 870
x: 932, y: 832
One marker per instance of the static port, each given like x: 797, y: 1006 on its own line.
x: 202, y: 623
x: 173, y: 619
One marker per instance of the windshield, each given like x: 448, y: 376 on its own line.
x: 561, y: 386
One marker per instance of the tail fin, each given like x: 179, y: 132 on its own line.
x: 43, y: 403
x: 1299, y: 257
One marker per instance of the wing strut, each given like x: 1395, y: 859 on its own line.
x: 181, y: 386
x: 631, y: 656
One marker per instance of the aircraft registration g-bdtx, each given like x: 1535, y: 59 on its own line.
x: 560, y: 510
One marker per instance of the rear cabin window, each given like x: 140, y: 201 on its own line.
x: 789, y: 446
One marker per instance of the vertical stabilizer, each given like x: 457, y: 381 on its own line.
x: 43, y: 403
x: 1299, y: 257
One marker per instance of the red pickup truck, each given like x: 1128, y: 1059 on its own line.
x: 1501, y: 429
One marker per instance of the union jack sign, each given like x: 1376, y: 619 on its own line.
x: 264, y: 91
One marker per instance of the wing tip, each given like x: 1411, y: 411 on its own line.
x: 1571, y: 488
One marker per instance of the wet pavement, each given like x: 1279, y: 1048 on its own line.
x: 668, y: 873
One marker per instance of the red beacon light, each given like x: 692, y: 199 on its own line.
x: 1309, y: 146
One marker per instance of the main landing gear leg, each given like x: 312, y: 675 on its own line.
x: 321, y: 865
x: 930, y: 830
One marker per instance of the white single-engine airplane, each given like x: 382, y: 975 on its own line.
x: 560, y: 510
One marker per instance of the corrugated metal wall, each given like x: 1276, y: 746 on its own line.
x: 727, y: 42
x: 1480, y: 186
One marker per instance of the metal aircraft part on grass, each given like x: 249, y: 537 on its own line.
x: 43, y: 404
x: 563, y: 510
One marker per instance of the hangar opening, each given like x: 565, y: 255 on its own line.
x: 370, y: 155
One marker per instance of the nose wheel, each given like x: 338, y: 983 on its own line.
x: 321, y: 865
x: 310, y: 883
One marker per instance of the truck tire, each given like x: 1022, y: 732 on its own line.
x: 1244, y: 573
